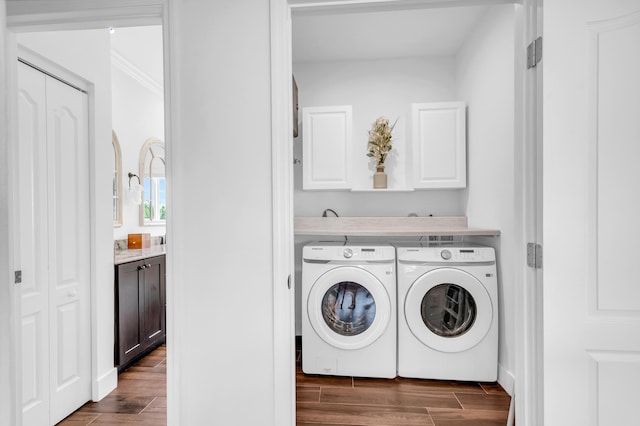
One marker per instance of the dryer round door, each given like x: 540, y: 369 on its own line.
x: 348, y: 307
x: 448, y: 310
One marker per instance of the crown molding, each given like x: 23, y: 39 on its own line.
x: 47, y: 15
x: 123, y: 64
x: 321, y: 7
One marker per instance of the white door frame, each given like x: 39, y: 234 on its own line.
x: 10, y: 404
x: 282, y: 193
x: 39, y: 16
x: 528, y: 324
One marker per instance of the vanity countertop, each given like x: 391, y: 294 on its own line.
x: 131, y: 255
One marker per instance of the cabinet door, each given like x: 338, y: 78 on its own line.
x: 326, y: 147
x: 439, y: 145
x: 152, y: 316
x: 129, y: 302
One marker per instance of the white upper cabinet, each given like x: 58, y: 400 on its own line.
x: 439, y: 145
x: 326, y: 147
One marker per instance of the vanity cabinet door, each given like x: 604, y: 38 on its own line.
x: 129, y: 302
x: 326, y: 145
x: 152, y: 313
x: 139, y: 309
x: 439, y: 145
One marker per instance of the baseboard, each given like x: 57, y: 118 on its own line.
x: 506, y: 379
x: 105, y: 384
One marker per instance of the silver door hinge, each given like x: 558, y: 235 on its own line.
x: 534, y: 255
x: 17, y: 277
x: 534, y: 52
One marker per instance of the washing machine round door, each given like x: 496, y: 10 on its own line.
x: 448, y: 310
x: 348, y: 307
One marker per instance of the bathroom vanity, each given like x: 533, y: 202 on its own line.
x: 140, y: 306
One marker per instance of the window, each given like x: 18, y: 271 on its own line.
x: 117, y: 180
x: 155, y: 201
x: 153, y: 210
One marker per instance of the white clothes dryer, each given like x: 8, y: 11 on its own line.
x: 448, y: 316
x: 349, y: 310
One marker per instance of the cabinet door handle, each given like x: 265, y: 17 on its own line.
x: 143, y: 267
x: 148, y: 265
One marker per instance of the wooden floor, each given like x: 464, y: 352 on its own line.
x: 140, y: 399
x: 350, y: 401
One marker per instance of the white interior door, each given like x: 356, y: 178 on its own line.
x: 32, y: 117
x: 591, y: 203
x: 54, y: 226
x: 69, y: 262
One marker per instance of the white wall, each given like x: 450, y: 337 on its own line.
x: 86, y: 54
x: 220, y: 231
x: 138, y: 114
x: 373, y: 87
x: 376, y: 87
x: 485, y: 77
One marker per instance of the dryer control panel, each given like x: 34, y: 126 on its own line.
x: 449, y: 254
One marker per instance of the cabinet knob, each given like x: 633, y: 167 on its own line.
x: 148, y: 265
x: 143, y: 267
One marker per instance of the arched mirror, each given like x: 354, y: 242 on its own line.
x: 117, y: 180
x: 153, y: 209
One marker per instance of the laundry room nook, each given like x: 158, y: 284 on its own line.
x: 442, y: 82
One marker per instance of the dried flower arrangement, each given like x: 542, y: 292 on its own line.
x: 380, y: 140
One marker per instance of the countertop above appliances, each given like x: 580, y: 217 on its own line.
x: 388, y: 226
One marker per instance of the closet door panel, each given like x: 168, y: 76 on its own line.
x: 32, y: 198
x: 69, y: 249
x: 53, y: 156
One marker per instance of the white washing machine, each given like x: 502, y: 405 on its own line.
x: 349, y: 310
x: 447, y: 312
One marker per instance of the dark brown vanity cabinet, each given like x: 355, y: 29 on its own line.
x: 140, y: 309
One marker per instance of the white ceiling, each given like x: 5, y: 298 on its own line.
x: 383, y: 34
x: 336, y: 36
x: 142, y: 47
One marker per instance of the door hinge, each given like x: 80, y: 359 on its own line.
x: 534, y: 52
x: 17, y: 277
x: 534, y: 255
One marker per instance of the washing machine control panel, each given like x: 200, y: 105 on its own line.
x: 450, y: 254
x: 352, y: 253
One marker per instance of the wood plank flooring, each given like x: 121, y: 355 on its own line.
x: 141, y: 399
x: 351, y: 401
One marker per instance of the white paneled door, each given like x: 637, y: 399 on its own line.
x: 54, y: 247
x: 591, y: 204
